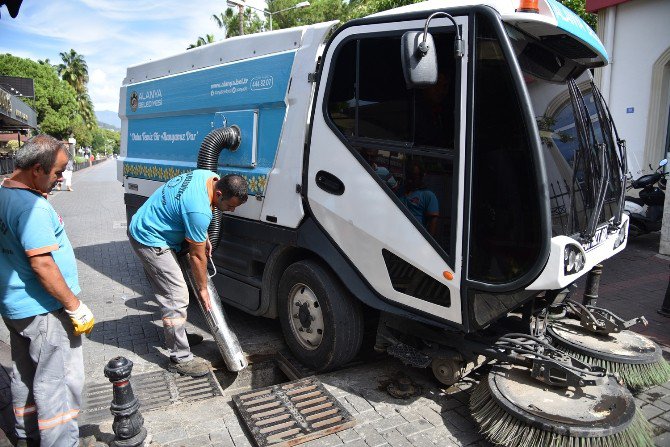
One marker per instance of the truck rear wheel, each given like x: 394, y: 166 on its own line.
x: 321, y: 321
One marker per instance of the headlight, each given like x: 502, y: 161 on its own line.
x: 621, y: 237
x: 573, y: 259
x: 579, y: 261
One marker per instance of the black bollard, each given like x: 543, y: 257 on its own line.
x: 592, y: 284
x: 665, y: 309
x: 128, y: 425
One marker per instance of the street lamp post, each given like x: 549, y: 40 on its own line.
x: 241, y: 4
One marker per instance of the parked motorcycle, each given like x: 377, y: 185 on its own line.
x: 646, y: 211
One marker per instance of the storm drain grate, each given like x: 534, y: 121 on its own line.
x: 154, y: 390
x: 291, y: 413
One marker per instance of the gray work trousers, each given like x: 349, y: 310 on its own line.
x: 47, y: 378
x: 171, y: 292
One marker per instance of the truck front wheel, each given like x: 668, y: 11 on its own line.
x: 321, y: 321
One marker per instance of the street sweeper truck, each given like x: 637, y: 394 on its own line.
x: 436, y: 175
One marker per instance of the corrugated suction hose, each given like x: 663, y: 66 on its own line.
x: 208, y: 158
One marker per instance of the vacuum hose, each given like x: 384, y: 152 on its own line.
x: 226, y: 340
x: 208, y: 158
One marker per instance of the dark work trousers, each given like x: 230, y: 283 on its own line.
x: 47, y: 378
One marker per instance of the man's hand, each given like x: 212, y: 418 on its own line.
x: 198, y: 259
x: 82, y: 319
x: 208, y: 248
x: 204, y: 300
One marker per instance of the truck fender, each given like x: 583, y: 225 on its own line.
x: 312, y: 236
x: 280, y: 258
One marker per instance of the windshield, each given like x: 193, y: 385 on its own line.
x: 583, y: 156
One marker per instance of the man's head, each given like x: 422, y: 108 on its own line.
x: 42, y: 161
x: 230, y: 192
x: 415, y: 177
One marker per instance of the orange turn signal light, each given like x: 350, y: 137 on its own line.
x: 528, y: 6
x: 447, y: 274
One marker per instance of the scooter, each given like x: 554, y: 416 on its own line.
x: 646, y: 211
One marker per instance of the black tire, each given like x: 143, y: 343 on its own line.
x: 340, y: 315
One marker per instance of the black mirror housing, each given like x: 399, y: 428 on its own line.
x: 419, y: 67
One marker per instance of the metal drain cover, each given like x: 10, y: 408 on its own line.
x: 154, y: 390
x: 291, y: 413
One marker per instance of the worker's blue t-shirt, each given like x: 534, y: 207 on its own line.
x: 421, y: 203
x: 179, y: 210
x: 29, y: 226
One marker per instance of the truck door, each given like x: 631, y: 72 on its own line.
x: 385, y: 165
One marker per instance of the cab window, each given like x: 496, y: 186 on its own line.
x: 406, y: 136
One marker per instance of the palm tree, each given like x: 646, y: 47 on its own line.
x: 209, y: 38
x: 74, y: 71
x: 220, y: 19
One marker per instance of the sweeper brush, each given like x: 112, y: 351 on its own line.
x: 515, y: 410
x: 636, y: 359
x: 599, y: 337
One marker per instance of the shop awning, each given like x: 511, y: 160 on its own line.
x: 15, y: 114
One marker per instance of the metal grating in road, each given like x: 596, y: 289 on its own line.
x: 291, y: 413
x: 154, y: 390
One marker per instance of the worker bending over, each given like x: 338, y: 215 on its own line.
x: 176, y: 218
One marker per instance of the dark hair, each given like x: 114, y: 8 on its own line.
x: 233, y: 185
x: 42, y: 149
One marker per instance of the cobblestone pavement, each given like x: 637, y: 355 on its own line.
x: 128, y: 324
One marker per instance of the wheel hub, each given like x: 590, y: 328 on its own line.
x: 447, y: 371
x: 304, y: 316
x: 307, y: 317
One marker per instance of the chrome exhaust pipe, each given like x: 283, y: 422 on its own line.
x: 225, y: 338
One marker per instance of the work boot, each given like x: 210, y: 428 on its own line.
x: 196, y: 367
x: 194, y: 339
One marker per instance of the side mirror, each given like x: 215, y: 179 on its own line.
x: 419, y: 65
x: 662, y: 162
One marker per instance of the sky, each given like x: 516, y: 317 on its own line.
x: 111, y: 35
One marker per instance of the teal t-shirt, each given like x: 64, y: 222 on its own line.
x: 180, y: 209
x: 421, y: 203
x: 30, y: 226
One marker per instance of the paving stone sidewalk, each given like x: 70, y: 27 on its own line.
x: 128, y: 324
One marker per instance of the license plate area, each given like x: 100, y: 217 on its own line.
x: 598, y: 238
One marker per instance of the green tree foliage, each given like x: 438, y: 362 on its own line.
x: 579, y: 8
x: 114, y: 140
x: 230, y: 22
x: 209, y: 38
x: 362, y: 8
x: 55, y: 100
x: 317, y: 11
x: 106, y: 141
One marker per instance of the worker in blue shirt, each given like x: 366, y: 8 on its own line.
x: 178, y: 215
x: 38, y: 300
x: 421, y: 201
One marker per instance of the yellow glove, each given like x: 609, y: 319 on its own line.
x: 82, y: 319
